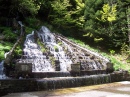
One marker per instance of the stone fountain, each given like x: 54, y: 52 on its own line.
x: 51, y: 61
x: 60, y: 56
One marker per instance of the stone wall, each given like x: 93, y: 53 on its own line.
x: 25, y: 85
x: 18, y: 85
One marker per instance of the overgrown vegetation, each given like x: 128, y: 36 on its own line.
x: 7, y: 39
x: 32, y: 23
x: 8, y: 34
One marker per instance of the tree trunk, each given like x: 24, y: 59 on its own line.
x: 128, y: 23
x: 10, y: 53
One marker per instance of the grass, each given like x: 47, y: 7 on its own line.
x: 122, y: 61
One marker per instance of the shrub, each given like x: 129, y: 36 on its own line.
x: 2, y: 55
x: 33, y: 23
x: 18, y: 51
x: 8, y: 33
x: 4, y: 47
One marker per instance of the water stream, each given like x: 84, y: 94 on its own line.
x: 2, y: 74
x: 32, y: 51
x: 59, y: 54
x: 41, y: 62
x: 65, y: 82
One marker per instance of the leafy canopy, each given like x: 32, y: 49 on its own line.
x: 108, y: 13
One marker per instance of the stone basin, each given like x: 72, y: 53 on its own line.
x: 40, y: 84
x: 116, y: 89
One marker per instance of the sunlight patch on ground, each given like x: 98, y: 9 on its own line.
x: 118, y: 95
x: 86, y: 88
x: 125, y: 82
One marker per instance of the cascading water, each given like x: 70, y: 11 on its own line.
x: 33, y: 51
x: 86, y: 62
x: 49, y: 39
x: 62, y: 52
x: 2, y: 74
x: 40, y: 63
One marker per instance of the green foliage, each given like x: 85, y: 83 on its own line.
x: 124, y: 48
x: 80, y: 4
x: 43, y: 49
x: 112, y: 52
x: 33, y: 22
x: 56, y: 48
x: 18, y: 51
x: 79, y: 12
x: 117, y: 64
x: 65, y: 15
x: 8, y: 33
x: 98, y: 39
x: 29, y: 30
x: 93, y: 28
x: 82, y: 44
x: 108, y: 13
x: 107, y: 23
x: 61, y: 15
x: 52, y: 59
x: 2, y: 55
x: 59, y: 43
x: 4, y: 47
x: 26, y: 6
x: 126, y: 51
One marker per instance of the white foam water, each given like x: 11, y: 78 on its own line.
x: 2, y: 74
x: 65, y: 53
